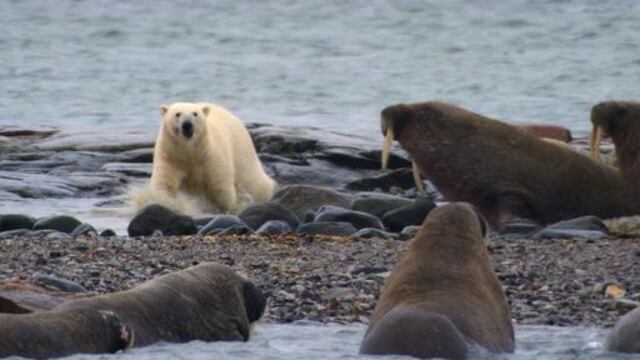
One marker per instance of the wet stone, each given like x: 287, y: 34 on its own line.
x: 327, y: 228
x: 414, y: 214
x: 378, y: 204
x: 236, y: 229
x: 83, y: 229
x: 107, y: 233
x: 219, y: 223
x: 62, y: 223
x: 16, y: 221
x: 60, y: 284
x: 159, y: 218
x: 257, y: 214
x: 369, y: 233
x: 358, y: 219
x: 303, y: 198
x: 274, y: 227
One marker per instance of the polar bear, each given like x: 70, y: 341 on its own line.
x: 204, y: 151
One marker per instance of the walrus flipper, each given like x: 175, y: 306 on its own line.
x: 415, y: 332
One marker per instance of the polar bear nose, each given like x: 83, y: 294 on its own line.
x: 187, y: 129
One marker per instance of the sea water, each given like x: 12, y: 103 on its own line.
x: 314, y: 341
x: 106, y: 66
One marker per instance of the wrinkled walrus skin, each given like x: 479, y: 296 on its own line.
x: 505, y: 171
x: 443, y: 294
x: 208, y: 302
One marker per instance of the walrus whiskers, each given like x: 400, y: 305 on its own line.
x: 386, y: 148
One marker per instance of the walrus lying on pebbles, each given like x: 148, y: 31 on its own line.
x: 208, y: 302
x: 502, y: 170
x: 443, y: 295
x: 620, y: 120
x: 625, y: 336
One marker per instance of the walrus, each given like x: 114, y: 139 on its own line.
x: 620, y: 120
x: 443, y: 295
x: 625, y: 335
x: 208, y: 302
x: 504, y: 171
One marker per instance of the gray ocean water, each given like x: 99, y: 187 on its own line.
x: 312, y: 341
x: 104, y: 67
x: 108, y: 65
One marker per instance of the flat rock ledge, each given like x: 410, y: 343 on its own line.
x: 338, y: 279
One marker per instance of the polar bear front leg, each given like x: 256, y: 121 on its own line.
x: 225, y: 197
x: 168, y: 179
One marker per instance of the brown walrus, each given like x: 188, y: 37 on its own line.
x: 443, y: 294
x: 208, y: 302
x: 620, y: 120
x: 502, y: 170
x: 625, y: 336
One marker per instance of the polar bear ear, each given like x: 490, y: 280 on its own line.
x: 163, y: 109
x: 205, y: 110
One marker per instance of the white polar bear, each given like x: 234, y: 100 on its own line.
x: 206, y: 152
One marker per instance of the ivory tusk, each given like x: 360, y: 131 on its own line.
x: 594, y: 142
x: 416, y: 177
x: 386, y: 148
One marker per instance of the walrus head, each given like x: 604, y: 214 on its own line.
x: 458, y: 217
x: 392, y: 121
x: 617, y: 119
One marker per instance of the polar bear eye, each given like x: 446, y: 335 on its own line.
x: 178, y: 114
x: 195, y: 114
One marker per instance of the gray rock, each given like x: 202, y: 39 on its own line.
x: 369, y: 233
x: 589, y: 222
x: 569, y: 234
x: 236, y: 229
x: 327, y: 228
x: 60, y: 284
x: 15, y: 233
x: 274, y: 227
x: 358, y: 219
x: 219, y: 223
x: 401, y: 178
x: 62, y: 223
x: 302, y: 198
x: 378, y: 204
x: 157, y: 217
x: 144, y: 155
x: 108, y: 233
x: 409, y: 232
x: 202, y: 221
x: 520, y: 227
x: 83, y: 229
x: 259, y: 213
x: 414, y: 214
x: 16, y: 221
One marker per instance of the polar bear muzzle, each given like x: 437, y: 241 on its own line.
x: 187, y: 128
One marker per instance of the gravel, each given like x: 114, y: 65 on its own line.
x: 338, y: 279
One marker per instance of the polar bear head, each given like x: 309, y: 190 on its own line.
x: 184, y: 121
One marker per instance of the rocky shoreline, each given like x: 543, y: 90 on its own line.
x: 321, y: 251
x: 565, y: 282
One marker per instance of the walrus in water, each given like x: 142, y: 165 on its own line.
x: 625, y: 336
x: 443, y: 295
x: 208, y: 302
x: 620, y: 120
x: 502, y: 170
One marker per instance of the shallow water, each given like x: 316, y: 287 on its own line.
x: 110, y: 64
x: 308, y: 340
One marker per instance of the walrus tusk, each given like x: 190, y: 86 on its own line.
x: 594, y: 142
x: 386, y: 148
x: 416, y: 177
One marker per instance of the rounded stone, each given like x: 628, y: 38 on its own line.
x: 62, y: 223
x: 257, y: 214
x: 156, y: 217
